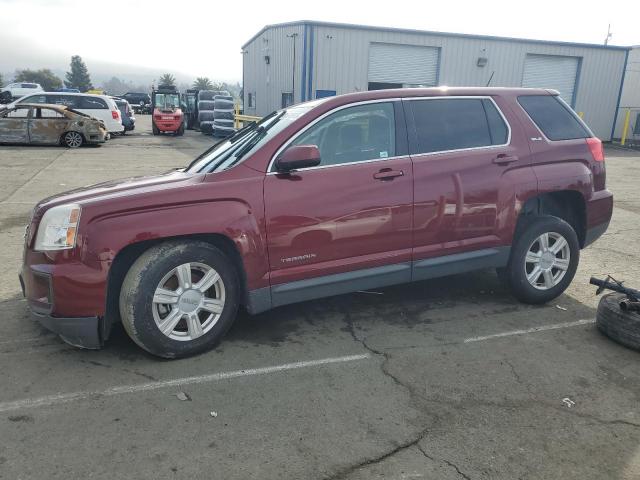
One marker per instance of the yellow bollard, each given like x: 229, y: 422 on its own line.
x: 236, y: 122
x: 581, y: 115
x: 625, y: 128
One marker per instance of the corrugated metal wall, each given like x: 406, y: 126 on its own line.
x: 269, y: 81
x: 341, y: 55
x: 630, y: 94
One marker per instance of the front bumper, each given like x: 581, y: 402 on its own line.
x: 83, y: 332
x: 80, y: 332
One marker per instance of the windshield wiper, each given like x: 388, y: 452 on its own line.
x: 260, y: 133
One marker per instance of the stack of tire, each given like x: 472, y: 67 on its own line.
x: 223, y: 116
x: 206, y: 105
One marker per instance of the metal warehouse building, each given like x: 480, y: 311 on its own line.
x: 299, y: 61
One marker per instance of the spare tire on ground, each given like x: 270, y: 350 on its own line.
x: 222, y: 115
x: 206, y: 127
x: 205, y: 115
x: 206, y: 105
x: 619, y: 325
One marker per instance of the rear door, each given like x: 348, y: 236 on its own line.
x: 463, y: 158
x: 14, y: 125
x: 46, y: 126
x: 350, y: 214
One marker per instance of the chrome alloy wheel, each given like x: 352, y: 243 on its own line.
x: 547, y: 260
x: 73, y: 139
x: 188, y: 301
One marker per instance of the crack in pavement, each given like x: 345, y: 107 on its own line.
x: 445, y: 461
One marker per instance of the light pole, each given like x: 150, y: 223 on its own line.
x: 293, y: 76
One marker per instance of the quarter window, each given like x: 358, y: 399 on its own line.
x: 457, y: 123
x: 354, y: 134
x: 553, y: 117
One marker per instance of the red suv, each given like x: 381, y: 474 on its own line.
x: 327, y: 197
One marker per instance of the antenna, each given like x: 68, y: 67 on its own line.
x: 609, y: 35
x: 490, y: 78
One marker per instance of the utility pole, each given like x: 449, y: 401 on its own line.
x: 293, y: 76
x: 609, y: 35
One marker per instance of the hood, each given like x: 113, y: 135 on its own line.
x: 121, y: 188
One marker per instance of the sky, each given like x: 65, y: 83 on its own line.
x: 204, y: 38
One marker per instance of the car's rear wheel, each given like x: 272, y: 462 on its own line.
x: 543, y: 260
x: 72, y: 139
x: 179, y: 299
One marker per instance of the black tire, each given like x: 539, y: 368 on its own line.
x: 180, y: 131
x: 620, y: 326
x: 205, y: 116
x: 154, y: 129
x: 223, y: 115
x: 72, y: 139
x: 206, y: 127
x: 210, y: 94
x: 139, y: 286
x: 204, y: 105
x: 515, y: 274
x: 223, y: 105
x: 228, y: 124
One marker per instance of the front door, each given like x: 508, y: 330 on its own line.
x: 466, y: 169
x: 352, y: 213
x: 14, y: 125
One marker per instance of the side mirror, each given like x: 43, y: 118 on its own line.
x: 299, y: 156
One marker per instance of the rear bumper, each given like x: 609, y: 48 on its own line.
x: 599, y: 212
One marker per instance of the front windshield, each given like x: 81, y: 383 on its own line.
x: 167, y: 100
x: 224, y: 155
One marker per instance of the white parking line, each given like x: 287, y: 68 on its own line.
x: 51, y: 400
x: 530, y: 330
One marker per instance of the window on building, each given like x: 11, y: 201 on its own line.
x: 457, y: 123
x: 354, y: 134
x: 553, y: 117
x: 251, y: 100
x: 287, y: 99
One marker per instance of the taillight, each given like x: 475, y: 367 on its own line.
x: 115, y: 114
x: 595, y: 146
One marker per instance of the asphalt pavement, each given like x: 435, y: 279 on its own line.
x: 444, y: 379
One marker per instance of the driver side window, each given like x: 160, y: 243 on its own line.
x: 354, y: 134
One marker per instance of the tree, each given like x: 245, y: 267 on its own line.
x: 167, y: 79
x: 115, y: 86
x: 78, y: 77
x: 203, y: 83
x: 45, y: 77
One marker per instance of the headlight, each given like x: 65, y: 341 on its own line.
x: 58, y: 228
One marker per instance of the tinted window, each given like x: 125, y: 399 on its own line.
x: 364, y: 132
x: 68, y: 100
x: 457, y: 123
x: 92, y: 103
x: 33, y: 99
x: 29, y: 85
x: 553, y: 117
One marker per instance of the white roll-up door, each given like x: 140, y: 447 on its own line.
x: 405, y: 64
x: 552, y: 71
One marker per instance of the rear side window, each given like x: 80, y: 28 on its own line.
x: 444, y: 124
x: 553, y: 117
x: 34, y: 99
x: 29, y: 85
x: 92, y: 103
x: 68, y: 100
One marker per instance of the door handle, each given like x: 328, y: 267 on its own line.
x: 504, y: 159
x: 387, y: 174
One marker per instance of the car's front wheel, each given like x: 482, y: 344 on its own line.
x: 179, y: 298
x: 72, y: 139
x: 543, y: 261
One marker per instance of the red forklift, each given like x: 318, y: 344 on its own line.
x: 168, y: 115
